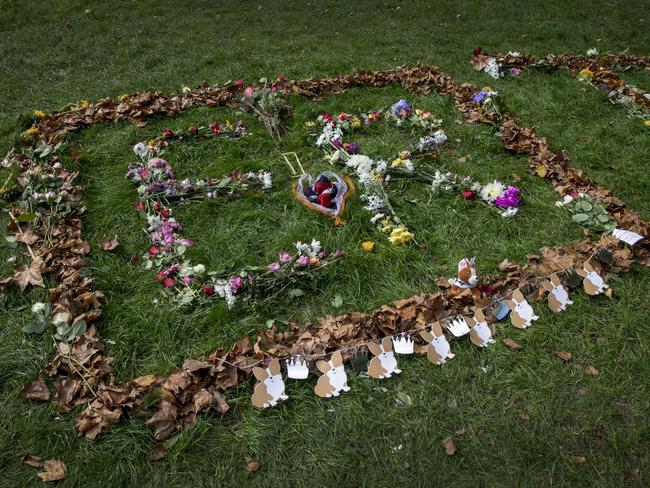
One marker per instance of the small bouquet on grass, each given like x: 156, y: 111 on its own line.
x: 269, y: 105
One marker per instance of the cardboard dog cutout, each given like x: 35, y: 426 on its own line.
x: 438, y: 350
x: 384, y: 364
x: 522, y: 314
x: 334, y: 379
x: 558, y: 297
x: 270, y: 387
x: 592, y: 281
x: 480, y: 331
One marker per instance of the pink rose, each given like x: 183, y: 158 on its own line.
x: 303, y: 261
x: 285, y: 257
x: 274, y: 267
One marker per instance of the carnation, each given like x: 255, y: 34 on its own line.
x: 491, y: 191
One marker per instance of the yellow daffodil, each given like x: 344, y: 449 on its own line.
x: 124, y: 96
x: 395, y: 163
x: 229, y: 124
x: 400, y: 236
x: 487, y: 89
x: 29, y: 133
x: 39, y: 114
x: 368, y: 246
x: 356, y: 122
x: 586, y: 73
x: 85, y: 104
x: 647, y: 123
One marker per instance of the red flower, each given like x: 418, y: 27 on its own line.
x: 343, y: 116
x: 240, y: 83
x: 208, y: 290
x: 215, y: 128
x: 468, y: 194
x: 169, y: 282
x: 154, y: 251
x: 133, y: 260
x: 194, y: 129
x: 160, y: 277
x: 165, y: 212
x: 156, y: 206
x: 281, y: 78
x: 167, y: 133
x: 139, y: 207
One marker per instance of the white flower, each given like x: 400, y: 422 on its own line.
x: 567, y: 199
x: 492, y: 68
x: 491, y: 191
x: 373, y: 203
x: 509, y: 212
x: 310, y: 250
x: 315, y: 248
x: 186, y: 89
x: 514, y: 53
x: 559, y: 203
x: 222, y: 288
x: 408, y: 164
x: 141, y: 150
x: 376, y: 217
x: 592, y: 52
x: 38, y: 307
x: 199, y: 268
x: 61, y: 318
x: 440, y: 137
x: 265, y: 178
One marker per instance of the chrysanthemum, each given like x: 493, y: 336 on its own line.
x: 491, y: 191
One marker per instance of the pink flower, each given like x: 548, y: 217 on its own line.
x: 515, y: 71
x: 250, y: 279
x: 240, y: 83
x: 167, y: 133
x: 285, y: 257
x: 215, y: 128
x: 249, y: 91
x: 187, y: 279
x: 139, y: 207
x: 154, y: 251
x: 274, y: 88
x: 274, y: 267
x: 169, y: 282
x: 235, y: 284
x: 303, y: 261
x: 281, y: 78
x: 143, y: 173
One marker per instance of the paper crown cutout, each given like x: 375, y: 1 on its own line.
x: 522, y: 314
x: 296, y: 368
x: 334, y: 379
x: 384, y: 364
x: 438, y: 350
x: 403, y: 344
x: 480, y: 333
x: 558, y: 297
x: 627, y: 236
x: 592, y: 281
x: 270, y: 387
x: 458, y: 327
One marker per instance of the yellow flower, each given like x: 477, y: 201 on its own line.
x: 229, y: 124
x: 368, y: 245
x: 85, y: 104
x: 646, y: 123
x: 39, y: 113
x: 311, y: 123
x: 150, y: 142
x: 418, y: 111
x: 400, y: 235
x: 124, y: 96
x: 29, y: 133
x: 586, y: 73
x: 356, y: 122
x: 487, y: 89
x: 397, y: 162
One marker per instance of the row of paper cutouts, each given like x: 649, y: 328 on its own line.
x: 270, y: 388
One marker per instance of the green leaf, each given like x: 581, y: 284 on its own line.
x: 35, y: 327
x: 337, y: 302
x: 604, y: 218
x: 404, y: 398
x: 296, y: 292
x: 581, y: 218
x: 26, y: 217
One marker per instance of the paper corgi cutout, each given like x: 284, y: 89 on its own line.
x: 403, y: 344
x: 270, y: 387
x: 438, y: 350
x: 458, y: 327
x: 522, y: 314
x: 334, y: 379
x: 480, y: 333
x: 296, y: 368
x: 558, y: 297
x: 592, y: 281
x: 384, y: 364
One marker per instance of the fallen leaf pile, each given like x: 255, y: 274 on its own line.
x: 82, y: 374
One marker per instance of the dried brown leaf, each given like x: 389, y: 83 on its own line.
x: 577, y: 459
x: 36, y: 389
x: 158, y: 452
x: 585, y: 368
x: 33, y: 461
x: 563, y: 355
x: 252, y: 464
x: 449, y: 445
x: 512, y: 345
x: 53, y: 470
x: 109, y: 244
x: 29, y: 275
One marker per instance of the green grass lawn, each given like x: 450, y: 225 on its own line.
x: 524, y: 415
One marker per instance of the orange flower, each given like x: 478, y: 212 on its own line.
x: 368, y: 246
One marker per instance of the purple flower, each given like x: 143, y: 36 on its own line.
x: 303, y: 261
x: 285, y: 257
x: 235, y: 284
x: 401, y: 108
x: 187, y: 279
x: 274, y: 267
x: 480, y: 96
x: 352, y: 147
x: 338, y: 253
x: 509, y: 198
x: 337, y: 143
x: 515, y: 72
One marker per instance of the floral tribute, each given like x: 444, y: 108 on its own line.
x: 592, y: 68
x: 187, y: 282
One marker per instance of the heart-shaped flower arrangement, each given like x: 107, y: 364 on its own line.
x: 325, y: 195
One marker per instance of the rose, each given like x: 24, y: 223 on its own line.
x: 468, y: 194
x: 154, y: 251
x: 194, y: 129
x: 274, y: 267
x: 133, y: 260
x: 285, y: 257
x: 208, y: 290
x: 165, y: 212
x: 160, y: 277
x: 215, y: 128
x: 169, y: 282
x: 315, y: 262
x: 139, y: 207
x: 281, y: 78
x: 168, y: 133
x: 240, y: 84
x: 303, y: 261
x: 235, y: 284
